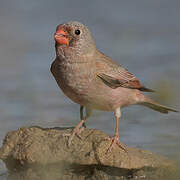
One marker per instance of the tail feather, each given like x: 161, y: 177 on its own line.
x: 158, y: 107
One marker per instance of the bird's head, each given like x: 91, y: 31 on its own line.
x: 74, y: 37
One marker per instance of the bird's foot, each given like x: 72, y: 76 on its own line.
x: 76, y: 132
x: 115, y: 140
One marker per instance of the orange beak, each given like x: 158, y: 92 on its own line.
x: 61, y: 37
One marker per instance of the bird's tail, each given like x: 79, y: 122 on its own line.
x: 156, y: 106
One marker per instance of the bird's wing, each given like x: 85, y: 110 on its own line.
x: 114, y: 75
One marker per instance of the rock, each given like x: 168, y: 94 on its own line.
x: 42, y: 153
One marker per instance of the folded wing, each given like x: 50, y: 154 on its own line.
x: 114, y: 76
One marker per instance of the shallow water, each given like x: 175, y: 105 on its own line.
x: 142, y: 36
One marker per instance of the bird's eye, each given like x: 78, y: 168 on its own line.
x: 77, y: 32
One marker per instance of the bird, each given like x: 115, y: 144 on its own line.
x: 93, y: 80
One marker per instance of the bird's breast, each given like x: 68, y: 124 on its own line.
x: 74, y: 78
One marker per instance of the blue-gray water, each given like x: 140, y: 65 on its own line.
x: 143, y: 36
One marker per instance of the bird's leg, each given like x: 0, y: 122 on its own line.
x: 80, y: 126
x: 115, y: 139
x: 82, y: 116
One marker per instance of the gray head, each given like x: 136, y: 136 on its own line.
x: 74, y: 37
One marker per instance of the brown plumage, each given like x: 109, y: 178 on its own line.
x: 93, y: 80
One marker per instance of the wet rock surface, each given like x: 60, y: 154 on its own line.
x: 42, y: 153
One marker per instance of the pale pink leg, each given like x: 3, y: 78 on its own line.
x: 80, y: 126
x: 115, y: 140
x: 76, y: 131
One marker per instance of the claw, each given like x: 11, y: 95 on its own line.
x: 115, y: 140
x: 76, y: 132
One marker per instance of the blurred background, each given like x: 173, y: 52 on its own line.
x: 143, y: 36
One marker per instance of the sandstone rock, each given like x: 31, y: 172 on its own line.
x: 41, y: 153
